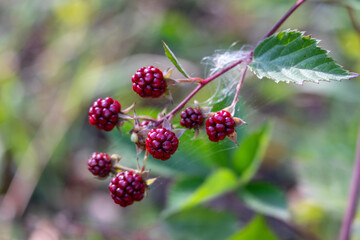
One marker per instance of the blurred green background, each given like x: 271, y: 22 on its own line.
x: 287, y: 179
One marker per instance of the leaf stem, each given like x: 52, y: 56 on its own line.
x: 353, y: 196
x: 284, y: 18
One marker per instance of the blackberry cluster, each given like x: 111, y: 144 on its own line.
x: 191, y: 118
x: 220, y: 125
x: 104, y: 113
x: 100, y: 164
x: 149, y: 82
x: 127, y: 187
x: 161, y: 143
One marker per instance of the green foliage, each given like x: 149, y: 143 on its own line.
x: 174, y: 60
x: 291, y: 57
x: 256, y: 229
x: 249, y: 155
x: 265, y: 198
x: 201, y: 223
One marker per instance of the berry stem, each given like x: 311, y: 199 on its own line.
x: 247, y: 59
x: 353, y: 196
x: 235, y: 100
x: 285, y: 17
x: 195, y: 80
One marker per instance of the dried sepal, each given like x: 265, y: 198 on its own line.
x: 239, y: 122
x: 162, y: 113
x: 167, y: 124
x: 179, y: 132
x: 233, y: 137
x: 150, y: 181
x: 168, y: 96
x: 197, y: 132
x: 230, y: 109
x: 115, y: 158
x: 129, y: 108
x: 171, y: 81
x: 167, y: 73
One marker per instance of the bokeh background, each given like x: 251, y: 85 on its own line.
x: 294, y: 158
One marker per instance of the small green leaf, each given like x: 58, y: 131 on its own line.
x: 255, y: 230
x: 265, y: 198
x: 201, y: 223
x: 289, y: 56
x: 249, y: 155
x: 174, y: 60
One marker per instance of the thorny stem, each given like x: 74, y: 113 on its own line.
x: 284, y: 18
x: 353, y: 196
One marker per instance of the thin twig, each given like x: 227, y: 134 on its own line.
x: 353, y: 196
x: 284, y: 18
x: 238, y: 87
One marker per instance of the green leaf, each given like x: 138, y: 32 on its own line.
x: 174, y: 60
x: 249, y: 155
x: 221, y: 181
x: 265, y: 198
x: 289, y: 56
x: 180, y: 192
x: 190, y: 192
x: 201, y: 223
x: 256, y: 229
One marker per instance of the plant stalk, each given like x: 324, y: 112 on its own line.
x: 284, y: 18
x: 353, y: 196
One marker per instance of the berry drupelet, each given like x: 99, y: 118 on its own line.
x: 100, y: 164
x: 220, y: 125
x: 104, y: 113
x: 149, y: 82
x: 191, y: 118
x: 161, y: 143
x: 127, y: 187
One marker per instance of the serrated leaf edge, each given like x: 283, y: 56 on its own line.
x: 317, y: 41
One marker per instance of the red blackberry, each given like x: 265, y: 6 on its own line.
x: 104, y: 113
x: 161, y: 143
x: 191, y: 118
x: 127, y: 187
x: 149, y: 82
x: 220, y: 125
x: 100, y: 164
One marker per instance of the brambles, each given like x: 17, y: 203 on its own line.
x: 220, y: 125
x: 127, y: 187
x: 149, y: 82
x: 161, y: 143
x: 191, y: 118
x: 158, y: 136
x: 104, y: 113
x: 99, y: 164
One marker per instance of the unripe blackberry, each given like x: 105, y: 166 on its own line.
x: 149, y: 82
x: 220, y: 125
x: 127, y: 187
x: 100, y: 164
x: 104, y: 113
x: 191, y: 118
x: 161, y: 143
